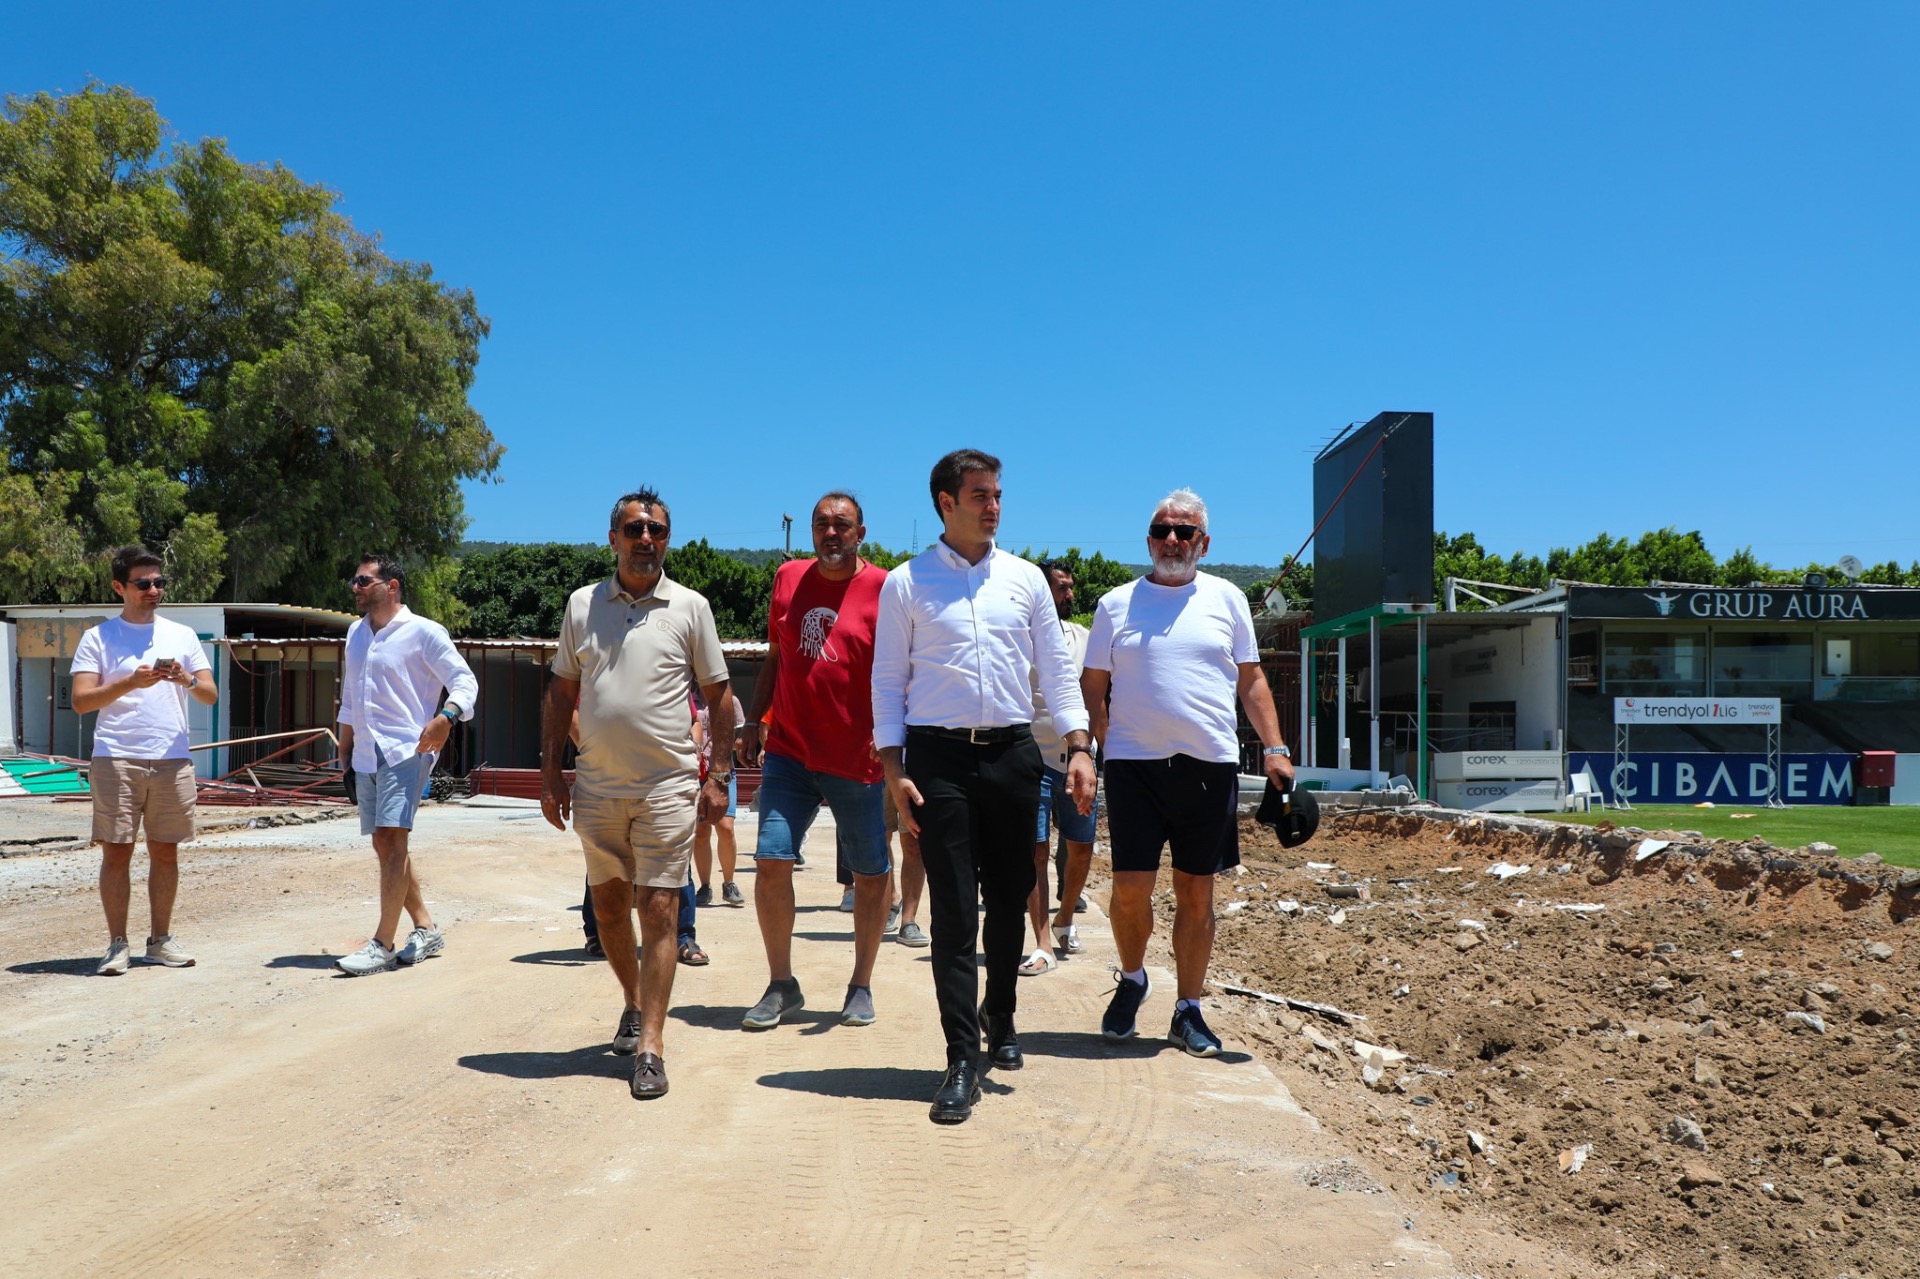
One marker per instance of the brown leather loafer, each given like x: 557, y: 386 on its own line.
x: 649, y: 1077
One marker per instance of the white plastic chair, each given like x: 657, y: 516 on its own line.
x: 1582, y: 793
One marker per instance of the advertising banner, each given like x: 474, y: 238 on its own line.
x: 1687, y: 777
x: 1696, y: 710
x: 1751, y: 604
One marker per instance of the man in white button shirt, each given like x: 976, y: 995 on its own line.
x: 392, y: 728
x: 964, y: 628
x: 137, y: 670
x: 1168, y: 655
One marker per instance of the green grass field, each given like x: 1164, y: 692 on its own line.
x: 1894, y: 833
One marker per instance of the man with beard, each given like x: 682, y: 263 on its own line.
x: 964, y: 626
x: 817, y: 683
x: 1174, y: 649
x: 629, y: 649
x: 1056, y: 805
x: 392, y: 728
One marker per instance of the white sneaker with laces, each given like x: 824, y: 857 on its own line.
x: 118, y: 956
x: 846, y: 902
x: 166, y: 951
x: 421, y: 943
x: 370, y: 958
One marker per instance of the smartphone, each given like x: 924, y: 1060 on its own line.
x: 165, y: 665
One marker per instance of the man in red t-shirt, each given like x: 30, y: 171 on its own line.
x: 818, y: 684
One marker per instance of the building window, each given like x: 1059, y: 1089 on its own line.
x: 1886, y: 655
x: 1762, y: 664
x: 1655, y: 663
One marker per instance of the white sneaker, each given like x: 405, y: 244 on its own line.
x: 846, y: 902
x: 119, y: 955
x: 370, y: 958
x: 422, y: 943
x: 165, y: 950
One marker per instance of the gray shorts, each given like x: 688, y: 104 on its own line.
x: 391, y: 796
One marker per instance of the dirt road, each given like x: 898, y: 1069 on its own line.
x: 258, y: 1114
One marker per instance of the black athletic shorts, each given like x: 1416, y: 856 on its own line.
x: 1186, y: 802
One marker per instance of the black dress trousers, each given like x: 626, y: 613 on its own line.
x: 976, y: 840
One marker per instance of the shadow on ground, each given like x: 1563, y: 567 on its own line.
x: 571, y: 957
x: 83, y: 967
x: 594, y: 1062
x: 302, y: 961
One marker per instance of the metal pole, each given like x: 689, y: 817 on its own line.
x: 1340, y: 703
x: 1420, y: 638
x: 1305, y: 740
x: 1373, y: 699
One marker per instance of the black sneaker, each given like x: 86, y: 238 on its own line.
x: 782, y: 997
x: 1117, y: 1023
x: 705, y: 896
x: 1190, y: 1034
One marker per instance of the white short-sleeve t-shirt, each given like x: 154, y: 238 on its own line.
x: 1174, y: 654
x: 146, y: 723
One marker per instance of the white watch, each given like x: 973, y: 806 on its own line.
x: 1277, y: 750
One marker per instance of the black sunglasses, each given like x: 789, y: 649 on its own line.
x: 1179, y: 532
x: 634, y: 528
x: 148, y: 584
x: 365, y: 579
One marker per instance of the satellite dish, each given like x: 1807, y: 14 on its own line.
x: 1851, y: 566
x: 1274, y: 602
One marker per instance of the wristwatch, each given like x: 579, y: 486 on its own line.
x: 1078, y: 750
x: 1281, y: 751
x: 452, y: 714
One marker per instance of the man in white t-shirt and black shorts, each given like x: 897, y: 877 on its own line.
x: 137, y: 670
x: 1174, y: 649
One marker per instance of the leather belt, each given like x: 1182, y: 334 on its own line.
x: 976, y: 736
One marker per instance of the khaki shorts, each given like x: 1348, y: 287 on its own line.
x: 128, y: 793
x: 646, y: 841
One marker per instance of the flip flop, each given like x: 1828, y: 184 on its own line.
x: 1067, y: 940
x: 1040, y: 961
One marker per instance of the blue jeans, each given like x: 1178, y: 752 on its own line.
x: 789, y: 799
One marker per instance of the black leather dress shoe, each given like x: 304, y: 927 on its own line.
x: 1003, y: 1046
x: 954, y: 1103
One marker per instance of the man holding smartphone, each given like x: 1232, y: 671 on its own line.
x: 137, y: 670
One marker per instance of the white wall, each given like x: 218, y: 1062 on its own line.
x: 9, y: 681
x: 1526, y: 672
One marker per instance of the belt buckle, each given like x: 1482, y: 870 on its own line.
x: 974, y: 738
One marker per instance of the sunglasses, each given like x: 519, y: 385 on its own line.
x: 653, y: 528
x: 148, y: 584
x: 1179, y: 532
x: 365, y: 579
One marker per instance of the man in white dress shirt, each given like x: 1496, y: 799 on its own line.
x: 392, y: 728
x: 964, y: 628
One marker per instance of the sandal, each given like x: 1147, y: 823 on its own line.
x: 1040, y: 961
x: 693, y: 957
x: 1067, y: 940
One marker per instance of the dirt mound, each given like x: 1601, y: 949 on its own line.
x: 1696, y: 1062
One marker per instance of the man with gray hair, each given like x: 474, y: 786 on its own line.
x: 1167, y: 656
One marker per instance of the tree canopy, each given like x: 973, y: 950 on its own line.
x: 204, y: 355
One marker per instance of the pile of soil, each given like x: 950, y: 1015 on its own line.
x: 1699, y: 1062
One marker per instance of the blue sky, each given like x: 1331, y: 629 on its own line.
x: 1649, y: 265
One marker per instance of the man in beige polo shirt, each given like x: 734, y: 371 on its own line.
x: 631, y: 650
